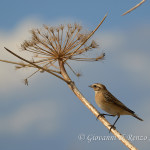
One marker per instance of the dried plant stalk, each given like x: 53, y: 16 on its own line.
x: 93, y: 109
x: 52, y: 49
x: 134, y: 7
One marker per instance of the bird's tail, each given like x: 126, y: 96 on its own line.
x: 134, y: 115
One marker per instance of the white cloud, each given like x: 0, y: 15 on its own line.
x: 9, y: 77
x: 39, y: 116
x: 138, y: 64
x: 128, y: 50
x: 110, y: 40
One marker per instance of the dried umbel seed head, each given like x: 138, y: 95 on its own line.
x: 51, y: 45
x: 58, y: 43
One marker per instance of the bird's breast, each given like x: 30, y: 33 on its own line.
x: 105, y: 105
x: 100, y: 99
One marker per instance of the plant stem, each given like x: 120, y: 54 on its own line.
x: 72, y: 86
x: 133, y: 7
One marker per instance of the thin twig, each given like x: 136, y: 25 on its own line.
x: 71, y: 68
x: 90, y: 34
x: 12, y: 62
x: 27, y: 65
x: 133, y: 7
x: 35, y: 65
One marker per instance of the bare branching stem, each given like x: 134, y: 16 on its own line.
x: 72, y: 86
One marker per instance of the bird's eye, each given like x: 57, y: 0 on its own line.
x: 94, y: 86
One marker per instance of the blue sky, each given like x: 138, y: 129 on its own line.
x: 37, y: 117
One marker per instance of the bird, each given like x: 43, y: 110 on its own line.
x: 110, y: 104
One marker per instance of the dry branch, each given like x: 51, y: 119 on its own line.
x: 134, y: 7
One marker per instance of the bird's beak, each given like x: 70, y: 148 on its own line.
x: 90, y: 86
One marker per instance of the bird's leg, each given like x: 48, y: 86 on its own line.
x: 113, y: 126
x: 103, y: 115
x: 108, y: 115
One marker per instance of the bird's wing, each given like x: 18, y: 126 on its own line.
x: 111, y: 99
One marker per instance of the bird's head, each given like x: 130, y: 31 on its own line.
x: 98, y: 87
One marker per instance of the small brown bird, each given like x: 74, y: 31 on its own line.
x: 107, y: 102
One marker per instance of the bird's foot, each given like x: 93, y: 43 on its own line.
x: 112, y: 127
x: 103, y: 115
x: 100, y: 115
